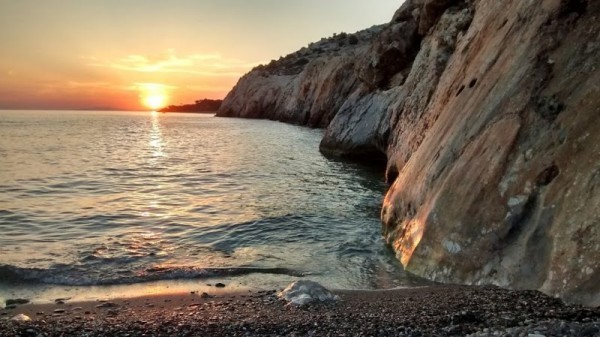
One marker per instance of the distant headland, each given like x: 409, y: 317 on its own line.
x: 200, y: 106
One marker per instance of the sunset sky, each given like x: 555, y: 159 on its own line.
x: 113, y: 54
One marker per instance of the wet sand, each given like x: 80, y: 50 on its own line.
x: 428, y: 311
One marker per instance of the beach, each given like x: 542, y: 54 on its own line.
x: 441, y: 310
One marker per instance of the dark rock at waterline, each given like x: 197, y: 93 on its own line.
x: 61, y: 300
x: 16, y: 301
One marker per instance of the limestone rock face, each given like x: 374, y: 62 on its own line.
x: 497, y: 180
x: 307, y: 87
x: 487, y: 115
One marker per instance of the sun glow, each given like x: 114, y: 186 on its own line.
x: 153, y: 95
x: 155, y: 101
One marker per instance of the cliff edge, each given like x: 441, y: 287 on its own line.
x: 487, y: 117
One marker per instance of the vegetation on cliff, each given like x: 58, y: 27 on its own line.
x: 294, y: 63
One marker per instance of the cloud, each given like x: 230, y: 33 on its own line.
x: 208, y: 88
x: 197, y: 64
x: 150, y: 86
x: 84, y: 85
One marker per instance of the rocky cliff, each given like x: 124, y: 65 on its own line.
x: 487, y: 115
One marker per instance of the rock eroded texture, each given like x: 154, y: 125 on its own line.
x: 487, y: 114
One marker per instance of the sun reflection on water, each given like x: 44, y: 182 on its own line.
x: 156, y: 141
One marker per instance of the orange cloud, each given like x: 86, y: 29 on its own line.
x: 169, y: 62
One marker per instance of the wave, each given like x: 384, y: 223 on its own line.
x: 69, y: 275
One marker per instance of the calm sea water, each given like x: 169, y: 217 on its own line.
x: 100, y: 198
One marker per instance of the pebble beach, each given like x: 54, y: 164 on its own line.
x: 443, y: 310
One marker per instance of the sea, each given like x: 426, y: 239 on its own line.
x: 107, y: 204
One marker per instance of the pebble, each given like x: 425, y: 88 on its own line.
x: 107, y: 305
x: 378, y: 314
x: 205, y: 295
x: 112, y: 312
x: 220, y: 285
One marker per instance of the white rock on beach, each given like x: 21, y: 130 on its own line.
x: 21, y: 318
x: 305, y: 291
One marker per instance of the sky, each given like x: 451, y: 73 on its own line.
x: 132, y: 54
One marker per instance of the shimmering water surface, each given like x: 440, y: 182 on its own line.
x: 99, y: 198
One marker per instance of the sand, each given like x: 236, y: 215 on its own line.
x: 428, y: 311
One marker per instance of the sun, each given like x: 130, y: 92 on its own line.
x: 153, y: 95
x: 155, y: 101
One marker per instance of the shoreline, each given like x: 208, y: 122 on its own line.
x: 431, y: 310
x: 48, y: 293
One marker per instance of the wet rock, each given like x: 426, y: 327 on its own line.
x: 61, y: 300
x: 17, y: 301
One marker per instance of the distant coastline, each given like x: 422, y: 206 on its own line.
x: 200, y: 106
